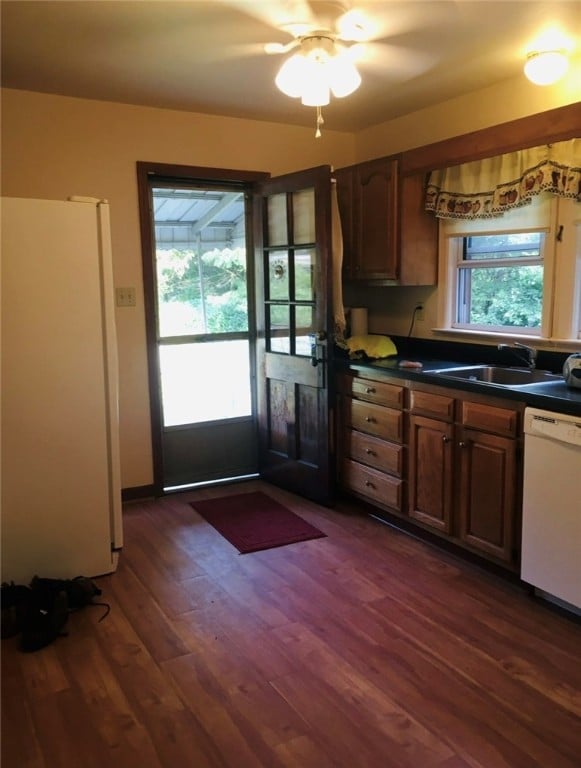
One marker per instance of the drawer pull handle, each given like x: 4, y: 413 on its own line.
x: 462, y: 444
x: 370, y: 390
x: 369, y: 484
x: 445, y: 439
x: 370, y: 419
x: 369, y: 452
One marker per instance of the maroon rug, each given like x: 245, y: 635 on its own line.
x: 255, y: 521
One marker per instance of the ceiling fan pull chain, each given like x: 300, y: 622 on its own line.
x: 320, y: 122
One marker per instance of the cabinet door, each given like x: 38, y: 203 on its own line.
x: 375, y: 222
x: 488, y: 482
x: 430, y: 472
x: 418, y: 235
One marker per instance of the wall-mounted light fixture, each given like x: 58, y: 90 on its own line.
x: 546, y: 67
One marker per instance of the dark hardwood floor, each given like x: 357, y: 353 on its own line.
x: 364, y: 649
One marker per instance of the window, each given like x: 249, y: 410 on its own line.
x: 519, y: 274
x: 500, y: 282
x: 202, y: 302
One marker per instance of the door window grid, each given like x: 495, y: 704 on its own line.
x: 290, y: 292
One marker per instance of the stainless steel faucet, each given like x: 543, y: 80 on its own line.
x: 531, y: 352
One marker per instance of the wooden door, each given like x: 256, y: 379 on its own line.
x: 430, y: 472
x: 488, y: 482
x: 294, y: 323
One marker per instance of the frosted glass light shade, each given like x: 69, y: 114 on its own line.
x: 546, y: 67
x: 292, y: 76
x: 343, y: 76
x: 318, y: 69
x: 316, y: 93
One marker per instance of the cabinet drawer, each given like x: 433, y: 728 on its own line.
x: 377, y: 392
x: 427, y: 404
x: 369, y: 482
x: 490, y: 418
x: 375, y: 420
x: 387, y: 457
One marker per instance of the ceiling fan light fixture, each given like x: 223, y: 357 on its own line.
x: 546, y: 67
x: 292, y: 75
x: 344, y: 78
x: 316, y: 93
x: 320, y: 67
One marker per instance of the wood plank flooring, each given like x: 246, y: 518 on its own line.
x: 365, y: 649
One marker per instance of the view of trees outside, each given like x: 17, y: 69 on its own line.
x: 510, y: 294
x: 201, y: 294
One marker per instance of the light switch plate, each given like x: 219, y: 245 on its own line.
x: 125, y: 297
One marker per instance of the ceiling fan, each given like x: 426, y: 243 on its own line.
x: 330, y: 40
x: 325, y: 57
x: 334, y: 19
x: 326, y: 43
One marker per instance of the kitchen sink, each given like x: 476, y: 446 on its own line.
x: 500, y: 375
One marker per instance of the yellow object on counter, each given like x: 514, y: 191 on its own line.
x: 372, y: 345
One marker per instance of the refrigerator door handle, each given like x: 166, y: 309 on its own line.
x: 111, y: 373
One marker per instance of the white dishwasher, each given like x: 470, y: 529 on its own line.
x: 551, y: 526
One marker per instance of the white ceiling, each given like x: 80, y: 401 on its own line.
x: 208, y: 55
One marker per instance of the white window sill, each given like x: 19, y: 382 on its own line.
x: 564, y: 345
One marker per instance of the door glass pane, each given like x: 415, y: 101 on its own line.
x: 279, y: 324
x: 200, y: 266
x: 278, y: 275
x: 305, y: 274
x: 304, y: 325
x: 277, y: 220
x: 201, y: 290
x: 304, y: 216
x: 197, y: 381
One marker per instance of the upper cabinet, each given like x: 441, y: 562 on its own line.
x: 387, y: 235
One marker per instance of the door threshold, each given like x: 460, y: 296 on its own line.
x: 210, y: 483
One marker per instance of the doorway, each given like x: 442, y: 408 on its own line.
x: 199, y: 298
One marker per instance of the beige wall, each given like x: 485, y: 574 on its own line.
x: 497, y: 104
x: 54, y: 146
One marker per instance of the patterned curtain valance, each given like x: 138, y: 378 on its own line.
x: 489, y: 187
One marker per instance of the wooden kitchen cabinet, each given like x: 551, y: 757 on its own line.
x: 371, y: 453
x: 487, y: 492
x: 367, y: 197
x: 375, y: 220
x: 418, y: 234
x: 463, y: 471
x: 445, y: 460
x: 430, y: 478
x: 387, y: 234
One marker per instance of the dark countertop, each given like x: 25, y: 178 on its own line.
x: 555, y: 396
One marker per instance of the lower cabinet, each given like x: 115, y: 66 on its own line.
x: 371, y: 440
x: 487, y: 480
x: 430, y: 474
x: 447, y: 461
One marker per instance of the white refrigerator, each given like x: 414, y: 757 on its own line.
x: 61, y: 490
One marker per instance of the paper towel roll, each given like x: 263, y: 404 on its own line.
x: 359, y: 321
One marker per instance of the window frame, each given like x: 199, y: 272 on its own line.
x: 561, y: 318
x: 462, y: 265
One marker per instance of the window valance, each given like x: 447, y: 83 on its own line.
x: 487, y: 188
